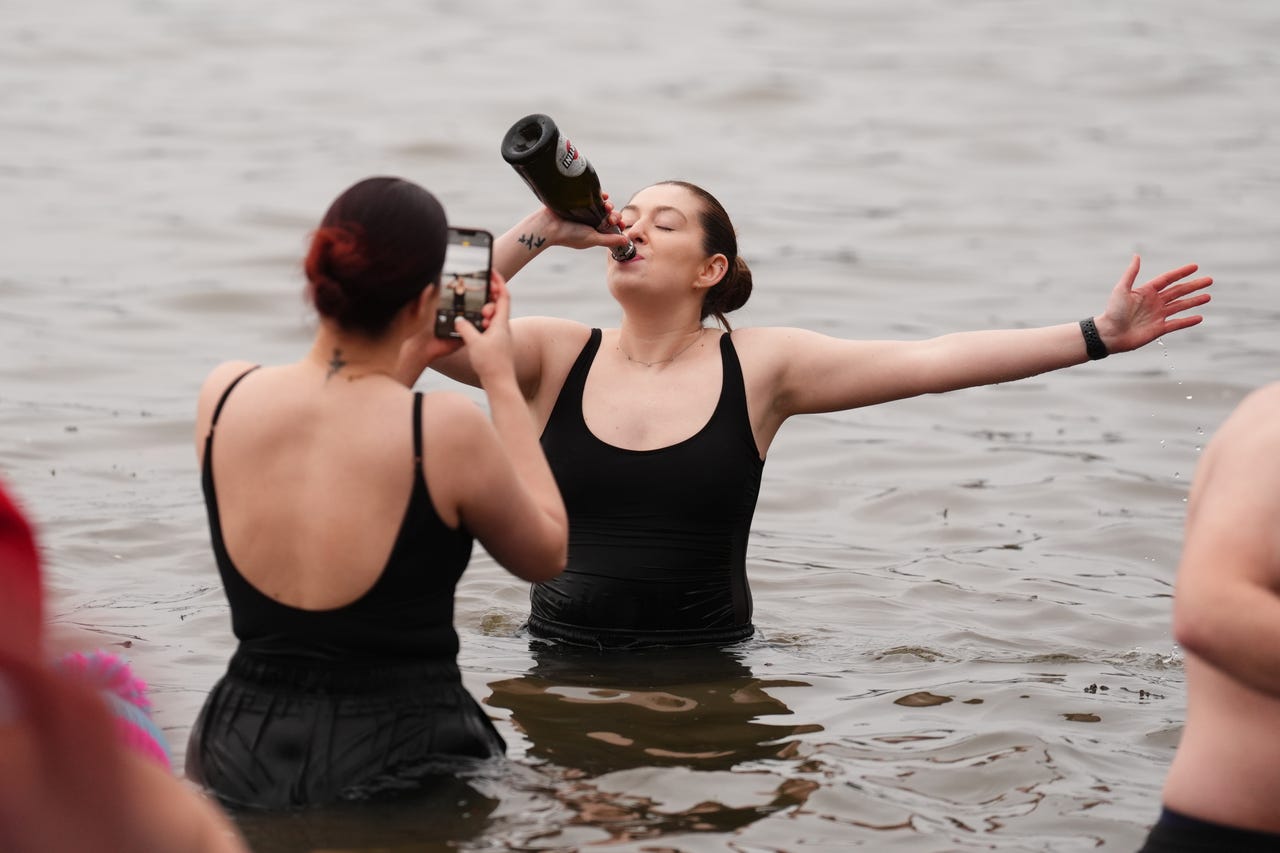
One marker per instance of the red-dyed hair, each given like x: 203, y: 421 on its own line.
x: 380, y: 244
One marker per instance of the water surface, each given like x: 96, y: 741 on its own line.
x: 962, y: 601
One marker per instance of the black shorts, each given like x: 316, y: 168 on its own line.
x: 1179, y: 833
x: 285, y: 735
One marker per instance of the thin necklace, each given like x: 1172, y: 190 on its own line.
x: 682, y: 351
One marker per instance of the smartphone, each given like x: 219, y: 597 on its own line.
x: 464, y: 281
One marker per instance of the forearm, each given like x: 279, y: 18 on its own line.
x: 967, y: 359
x: 527, y: 239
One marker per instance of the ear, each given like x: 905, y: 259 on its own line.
x: 713, y: 271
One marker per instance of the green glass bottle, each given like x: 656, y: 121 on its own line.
x: 559, y: 175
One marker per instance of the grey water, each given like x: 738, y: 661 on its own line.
x: 963, y: 601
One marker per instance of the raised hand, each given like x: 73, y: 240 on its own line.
x: 418, y: 351
x: 575, y: 235
x: 491, y: 352
x: 1136, y: 316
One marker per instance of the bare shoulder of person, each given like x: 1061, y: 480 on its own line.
x: 222, y: 376
x: 1255, y: 419
x: 1243, y: 454
x: 558, y: 341
x: 771, y: 348
x: 550, y: 329
x: 449, y: 413
x: 215, y: 384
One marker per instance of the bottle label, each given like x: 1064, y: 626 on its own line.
x: 569, y: 159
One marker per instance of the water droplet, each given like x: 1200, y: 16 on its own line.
x: 1162, y: 442
x: 1199, y: 430
x: 1177, y: 475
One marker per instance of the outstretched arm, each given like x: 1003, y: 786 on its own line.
x: 821, y: 374
x: 1227, y: 601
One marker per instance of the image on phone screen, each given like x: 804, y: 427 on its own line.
x: 464, y: 281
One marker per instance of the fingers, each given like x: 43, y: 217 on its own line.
x: 1182, y: 323
x: 1165, y: 279
x: 1177, y: 306
x: 498, y: 309
x: 1181, y: 290
x: 499, y: 297
x: 466, y: 328
x: 1130, y: 274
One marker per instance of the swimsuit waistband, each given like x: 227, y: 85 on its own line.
x: 603, y: 638
x: 337, y: 676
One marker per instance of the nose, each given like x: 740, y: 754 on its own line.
x: 634, y: 232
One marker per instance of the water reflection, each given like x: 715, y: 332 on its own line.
x: 599, y: 712
x: 436, y: 817
x: 653, y: 742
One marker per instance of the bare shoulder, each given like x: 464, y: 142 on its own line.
x: 451, y: 414
x: 769, y: 350
x: 1263, y: 402
x: 778, y: 341
x: 555, y: 345
x: 1254, y: 423
x: 551, y: 332
x: 1243, y: 456
x: 220, y: 378
x: 215, y: 384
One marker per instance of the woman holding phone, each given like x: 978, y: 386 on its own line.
x: 657, y: 431
x: 342, y: 508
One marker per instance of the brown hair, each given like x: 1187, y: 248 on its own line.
x: 380, y: 244
x: 718, y: 238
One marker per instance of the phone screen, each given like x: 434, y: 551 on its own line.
x: 464, y: 281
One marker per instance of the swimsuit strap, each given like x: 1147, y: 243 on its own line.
x: 417, y: 428
x: 223, y: 399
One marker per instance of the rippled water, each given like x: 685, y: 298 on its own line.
x: 962, y: 601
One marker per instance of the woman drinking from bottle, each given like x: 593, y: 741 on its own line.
x: 343, y: 507
x: 657, y: 430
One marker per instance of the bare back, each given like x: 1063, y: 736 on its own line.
x: 310, y: 506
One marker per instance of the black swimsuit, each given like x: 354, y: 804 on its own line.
x: 657, y: 538
x: 1175, y: 832
x: 346, y: 703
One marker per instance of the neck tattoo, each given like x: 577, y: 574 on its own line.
x: 679, y: 352
x: 335, y: 364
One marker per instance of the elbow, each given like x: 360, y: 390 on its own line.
x: 555, y: 565
x: 1196, y: 629
x: 545, y: 569
x: 550, y: 560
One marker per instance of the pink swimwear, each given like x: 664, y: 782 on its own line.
x: 21, y: 632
